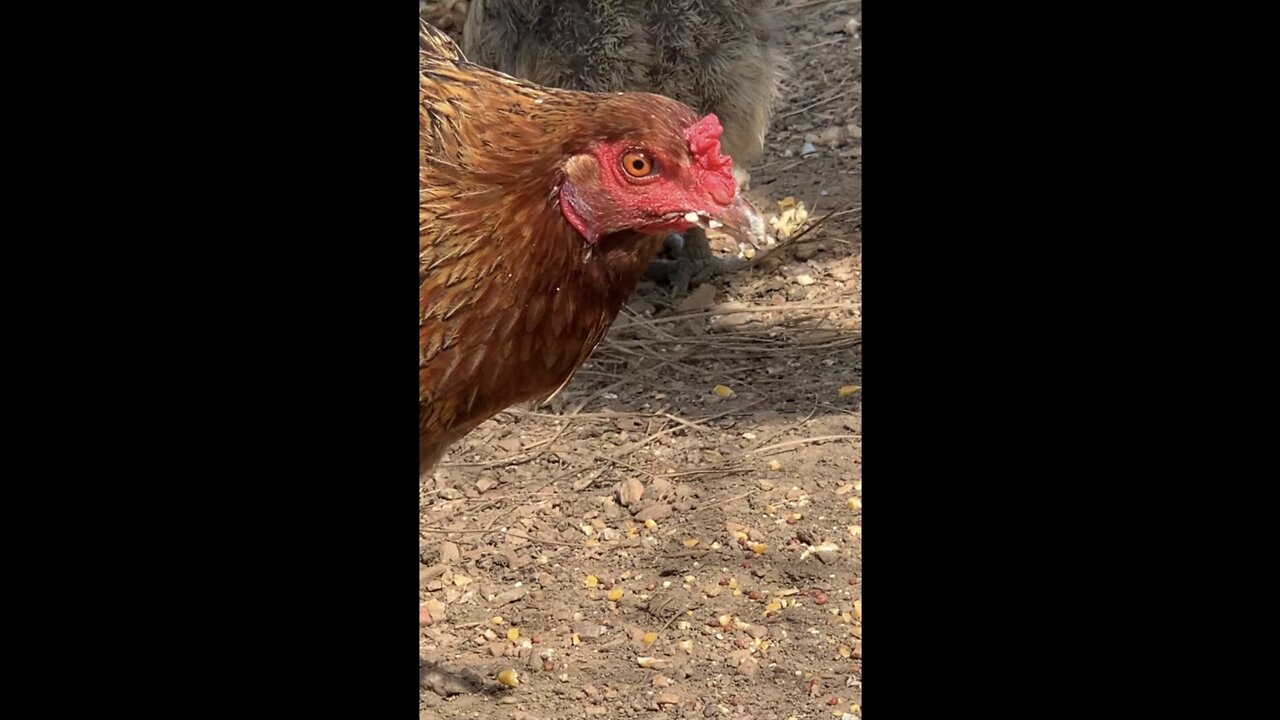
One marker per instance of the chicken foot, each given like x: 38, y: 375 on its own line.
x: 693, y: 262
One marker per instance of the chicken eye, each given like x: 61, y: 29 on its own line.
x: 637, y: 164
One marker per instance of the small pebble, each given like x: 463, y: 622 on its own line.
x: 436, y: 610
x: 449, y: 553
x: 629, y: 492
x: 509, y: 596
x: 658, y: 511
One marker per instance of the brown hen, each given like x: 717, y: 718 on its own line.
x: 717, y: 56
x: 538, y: 211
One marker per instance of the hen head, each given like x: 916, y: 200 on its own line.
x: 663, y: 171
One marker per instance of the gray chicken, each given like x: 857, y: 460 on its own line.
x: 717, y: 56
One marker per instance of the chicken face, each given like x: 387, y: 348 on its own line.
x: 644, y: 184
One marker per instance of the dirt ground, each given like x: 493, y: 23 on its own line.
x: 645, y: 547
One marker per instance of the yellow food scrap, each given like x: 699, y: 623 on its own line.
x: 615, y: 595
x: 509, y: 677
x: 513, y: 634
x: 848, y: 390
x: 591, y: 581
x: 722, y: 390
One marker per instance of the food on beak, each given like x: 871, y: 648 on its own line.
x: 741, y: 221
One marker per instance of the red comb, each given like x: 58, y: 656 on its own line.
x: 704, y: 136
x: 704, y: 145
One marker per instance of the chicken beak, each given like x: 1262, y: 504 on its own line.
x: 742, y: 221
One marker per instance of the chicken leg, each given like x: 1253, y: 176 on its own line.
x: 693, y: 263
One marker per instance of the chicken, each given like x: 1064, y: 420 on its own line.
x: 717, y: 56
x: 538, y: 211
x: 447, y: 15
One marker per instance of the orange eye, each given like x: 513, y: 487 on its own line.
x: 637, y: 164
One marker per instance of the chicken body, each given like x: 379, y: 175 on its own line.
x: 718, y: 56
x: 538, y: 211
